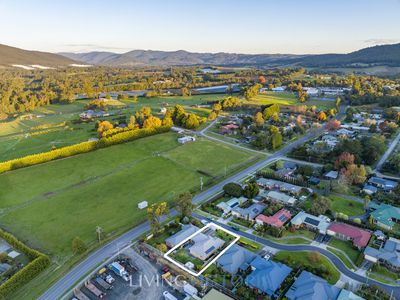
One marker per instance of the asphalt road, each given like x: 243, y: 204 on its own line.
x: 333, y: 258
x: 389, y: 150
x: 77, y: 272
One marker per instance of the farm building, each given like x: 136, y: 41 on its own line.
x: 186, y: 139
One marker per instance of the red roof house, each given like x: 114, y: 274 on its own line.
x: 228, y: 129
x: 277, y: 220
x: 359, y: 237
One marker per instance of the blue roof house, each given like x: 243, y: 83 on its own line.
x: 235, y: 258
x: 311, y: 287
x: 267, y: 276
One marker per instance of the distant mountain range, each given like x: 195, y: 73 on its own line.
x: 386, y: 55
x: 15, y: 56
x: 171, y: 58
x: 377, y: 55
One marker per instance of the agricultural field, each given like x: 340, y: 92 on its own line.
x: 274, y: 98
x: 56, y: 126
x: 70, y: 197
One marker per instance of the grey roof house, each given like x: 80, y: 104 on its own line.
x: 235, y: 259
x: 389, y: 254
x: 205, y: 246
x: 187, y: 230
x: 311, y: 287
x: 248, y: 213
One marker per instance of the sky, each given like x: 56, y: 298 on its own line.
x: 246, y: 26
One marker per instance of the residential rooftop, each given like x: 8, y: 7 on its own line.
x: 358, y: 236
x: 321, y: 223
x: 277, y: 220
x: 311, y: 287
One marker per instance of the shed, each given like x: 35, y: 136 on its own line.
x: 143, y: 204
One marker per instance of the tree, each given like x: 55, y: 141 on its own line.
x: 302, y: 96
x: 185, y: 92
x: 320, y: 205
x: 337, y: 103
x: 271, y: 111
x: 162, y: 247
x: 212, y: 116
x: 333, y: 125
x: 354, y: 174
x: 344, y: 160
x: 276, y: 140
x: 152, y: 122
x: 154, y: 214
x: 103, y: 127
x: 322, y: 116
x: 191, y: 122
x: 167, y: 121
x: 251, y: 190
x: 217, y: 107
x: 184, y: 204
x: 233, y: 189
x: 78, y: 246
x: 314, y: 257
x: 251, y: 91
x: 132, y: 121
x: 262, y: 80
x: 258, y: 119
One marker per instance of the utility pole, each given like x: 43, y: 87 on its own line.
x: 201, y: 183
x: 99, y: 231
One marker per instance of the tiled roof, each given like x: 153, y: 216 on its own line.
x: 277, y: 220
x: 359, y: 236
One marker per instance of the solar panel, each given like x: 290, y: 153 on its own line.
x: 209, y: 249
x: 283, y: 218
x: 311, y: 221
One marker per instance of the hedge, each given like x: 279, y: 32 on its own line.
x: 80, y: 148
x: 38, y: 264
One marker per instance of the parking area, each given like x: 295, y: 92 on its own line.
x: 129, y: 276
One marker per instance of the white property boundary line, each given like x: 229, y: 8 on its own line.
x: 209, y: 225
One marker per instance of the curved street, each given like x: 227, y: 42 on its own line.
x: 336, y: 261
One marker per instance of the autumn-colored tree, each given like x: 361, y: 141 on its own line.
x: 354, y: 174
x: 344, y: 160
x: 258, y: 119
x: 212, y: 116
x: 154, y: 215
x: 332, y: 112
x: 322, y: 116
x: 333, y: 125
x: 276, y: 140
x: 270, y: 111
x: 314, y: 257
x: 262, y: 80
x: 191, y: 121
x: 103, y: 127
x: 167, y: 121
x: 152, y: 122
x: 217, y: 107
x: 299, y: 120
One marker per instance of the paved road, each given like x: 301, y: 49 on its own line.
x: 76, y: 273
x: 389, y: 150
x: 333, y: 258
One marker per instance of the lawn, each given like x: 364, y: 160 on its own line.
x: 295, y: 259
x: 249, y: 244
x: 346, y: 206
x: 70, y: 197
x: 274, y: 98
x: 346, y: 247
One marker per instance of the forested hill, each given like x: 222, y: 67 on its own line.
x: 175, y: 58
x: 15, y: 56
x: 379, y: 55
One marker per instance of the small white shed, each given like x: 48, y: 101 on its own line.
x: 143, y: 205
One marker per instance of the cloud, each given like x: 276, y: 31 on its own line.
x: 381, y: 41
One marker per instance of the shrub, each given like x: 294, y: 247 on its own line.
x: 31, y: 270
x: 78, y: 246
x: 233, y: 189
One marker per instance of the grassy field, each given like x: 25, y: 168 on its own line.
x: 274, y: 98
x: 346, y: 206
x: 346, y: 247
x: 70, y: 197
x: 302, y: 258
